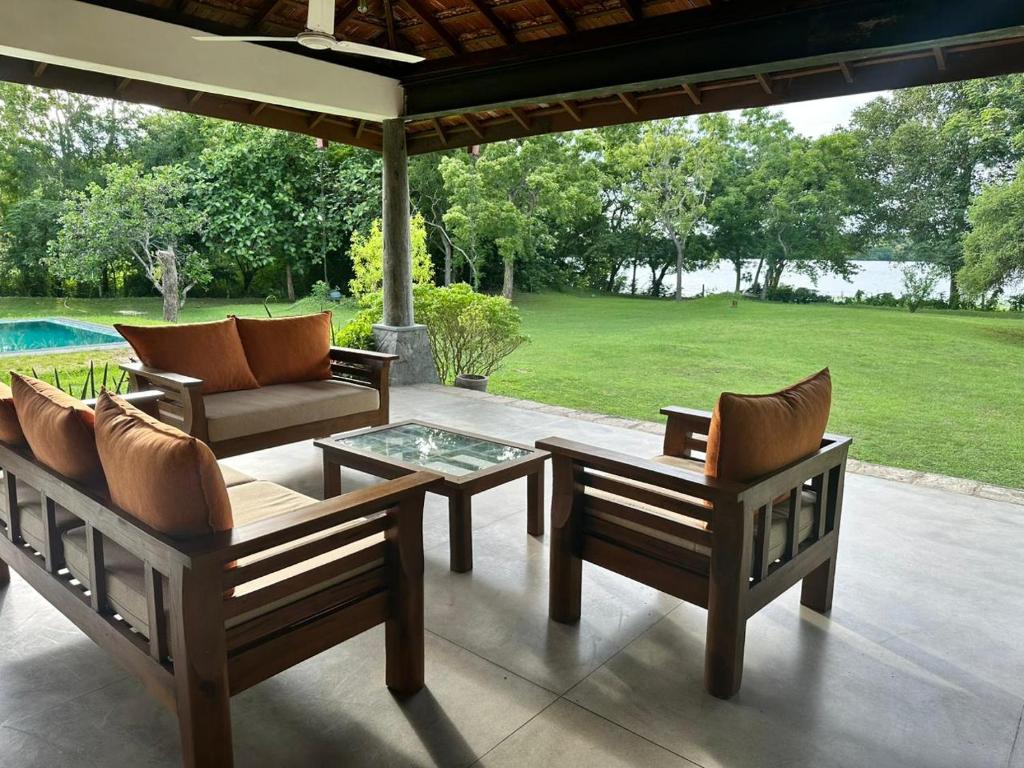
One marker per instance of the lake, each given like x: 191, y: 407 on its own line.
x: 872, y: 277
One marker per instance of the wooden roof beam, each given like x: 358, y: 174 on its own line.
x: 847, y: 74
x: 439, y: 130
x: 504, y: 32
x: 428, y: 18
x: 631, y: 103
x: 473, y: 125
x: 263, y: 12
x: 693, y: 92
x: 573, y: 110
x: 520, y: 117
x: 764, y: 82
x: 940, y: 57
x: 39, y: 68
x: 561, y: 16
x: 635, y: 8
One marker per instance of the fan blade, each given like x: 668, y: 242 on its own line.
x: 345, y: 46
x: 219, y: 39
x: 321, y: 16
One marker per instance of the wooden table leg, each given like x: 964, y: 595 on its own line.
x: 460, y: 531
x: 535, y: 503
x: 332, y: 478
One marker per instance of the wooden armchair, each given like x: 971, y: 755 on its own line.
x: 202, y: 619
x: 729, y: 548
x: 356, y: 395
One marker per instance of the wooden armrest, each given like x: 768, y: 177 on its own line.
x: 644, y: 470
x: 145, y: 400
x: 361, y: 355
x: 175, y: 381
x: 288, y: 526
x: 689, y: 413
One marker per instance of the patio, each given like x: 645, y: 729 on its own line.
x: 918, y: 664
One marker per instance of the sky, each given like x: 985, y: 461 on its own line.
x: 816, y: 118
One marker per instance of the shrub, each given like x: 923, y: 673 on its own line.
x: 1017, y: 302
x: 919, y: 281
x: 787, y: 294
x: 469, y: 332
x: 367, y: 254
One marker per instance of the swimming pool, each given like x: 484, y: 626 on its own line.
x: 52, y: 334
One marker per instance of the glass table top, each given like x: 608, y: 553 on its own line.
x: 434, y: 448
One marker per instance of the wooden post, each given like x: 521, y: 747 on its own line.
x: 566, y: 572
x: 403, y: 630
x: 732, y: 533
x: 397, y: 250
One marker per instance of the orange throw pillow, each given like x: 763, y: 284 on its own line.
x: 753, y: 435
x: 288, y: 349
x: 10, y: 427
x: 208, y: 351
x: 158, y: 474
x: 58, y: 429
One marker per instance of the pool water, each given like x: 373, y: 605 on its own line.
x: 22, y: 335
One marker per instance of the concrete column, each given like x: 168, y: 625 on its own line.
x: 398, y: 333
x: 397, y: 248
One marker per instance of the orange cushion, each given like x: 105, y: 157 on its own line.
x: 58, y: 429
x: 10, y: 427
x: 753, y: 435
x: 288, y: 349
x: 208, y: 351
x: 165, y: 478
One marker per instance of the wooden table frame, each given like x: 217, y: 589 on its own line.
x: 459, y: 489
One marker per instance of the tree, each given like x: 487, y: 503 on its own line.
x: 919, y: 281
x: 678, y: 163
x: 737, y: 214
x: 927, y: 152
x: 516, y: 195
x: 272, y: 199
x: 134, y: 217
x: 994, y: 248
x: 812, y: 199
x: 367, y: 254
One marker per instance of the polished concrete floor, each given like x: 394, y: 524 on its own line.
x: 921, y: 662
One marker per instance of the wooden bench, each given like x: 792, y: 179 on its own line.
x: 219, y: 613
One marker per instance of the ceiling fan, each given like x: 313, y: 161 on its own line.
x: 319, y: 36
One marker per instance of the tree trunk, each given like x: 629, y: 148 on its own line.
x: 289, y: 284
x: 169, y: 284
x: 632, y: 286
x: 447, y: 260
x: 757, y: 274
x: 680, y: 252
x: 954, y: 290
x: 738, y: 264
x: 507, y: 285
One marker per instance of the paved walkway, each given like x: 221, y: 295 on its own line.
x: 919, y: 664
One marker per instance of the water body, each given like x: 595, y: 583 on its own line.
x: 25, y: 335
x: 872, y: 277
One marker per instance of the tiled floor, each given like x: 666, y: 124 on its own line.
x: 920, y: 664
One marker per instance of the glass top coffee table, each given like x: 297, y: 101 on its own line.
x: 469, y: 464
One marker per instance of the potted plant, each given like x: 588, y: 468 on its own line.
x: 474, y: 381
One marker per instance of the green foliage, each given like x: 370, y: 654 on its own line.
x: 919, y: 281
x: 994, y: 248
x: 367, y: 255
x: 469, y: 332
x: 787, y: 294
x: 135, y: 216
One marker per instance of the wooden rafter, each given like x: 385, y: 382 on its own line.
x: 635, y: 8
x: 474, y: 126
x: 439, y: 129
x: 38, y: 69
x: 693, y: 92
x: 264, y: 12
x: 520, y: 117
x: 504, y: 32
x: 630, y: 101
x: 389, y: 21
x: 940, y: 57
x: 844, y: 68
x: 764, y: 82
x: 423, y: 13
x: 573, y: 110
x: 563, y: 18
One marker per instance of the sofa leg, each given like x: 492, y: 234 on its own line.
x: 200, y: 671
x: 565, y: 589
x: 404, y: 629
x: 5, y: 573
x: 723, y: 655
x: 816, y: 591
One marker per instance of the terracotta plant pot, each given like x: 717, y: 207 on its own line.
x: 471, y: 381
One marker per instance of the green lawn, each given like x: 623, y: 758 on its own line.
x: 941, y: 392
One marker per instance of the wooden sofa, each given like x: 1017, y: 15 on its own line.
x: 200, y: 619
x: 244, y: 384
x: 728, y: 547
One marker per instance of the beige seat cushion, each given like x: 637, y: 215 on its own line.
x: 250, y: 502
x: 780, y: 513
x: 233, y: 476
x: 30, y: 504
x: 252, y: 411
